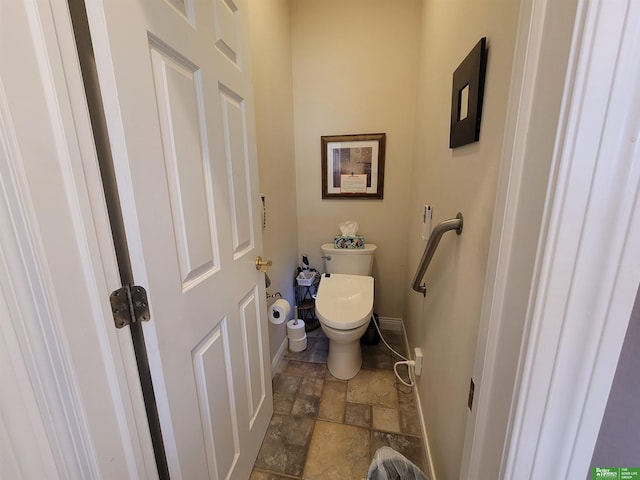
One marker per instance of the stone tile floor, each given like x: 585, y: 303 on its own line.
x: 325, y: 428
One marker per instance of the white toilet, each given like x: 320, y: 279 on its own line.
x: 344, y: 305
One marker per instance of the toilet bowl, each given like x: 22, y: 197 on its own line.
x: 344, y: 304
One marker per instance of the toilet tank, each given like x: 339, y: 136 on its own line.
x: 351, y: 261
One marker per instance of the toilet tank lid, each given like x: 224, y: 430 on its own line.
x: 368, y: 249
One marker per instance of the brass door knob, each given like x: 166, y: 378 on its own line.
x: 263, y: 265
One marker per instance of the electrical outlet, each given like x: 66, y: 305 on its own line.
x: 418, y: 359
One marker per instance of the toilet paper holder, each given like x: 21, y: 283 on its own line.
x: 274, y: 295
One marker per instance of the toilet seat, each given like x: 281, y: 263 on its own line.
x: 344, y: 302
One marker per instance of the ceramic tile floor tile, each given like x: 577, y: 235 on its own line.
x: 406, y: 400
x: 285, y: 446
x: 284, y: 393
x: 311, y: 387
x: 306, y: 405
x: 358, y: 415
x: 337, y: 451
x: 325, y: 428
x: 386, y: 419
x: 376, y: 359
x: 373, y: 387
x: 334, y: 401
x: 260, y: 475
x: 409, y: 423
x: 306, y: 369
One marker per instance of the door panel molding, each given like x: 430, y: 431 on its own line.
x: 180, y: 103
x: 237, y: 155
x: 252, y: 342
x: 213, y: 357
x: 184, y: 305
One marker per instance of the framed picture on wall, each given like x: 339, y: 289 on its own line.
x: 353, y: 166
x: 467, y: 95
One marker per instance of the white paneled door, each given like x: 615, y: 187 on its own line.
x: 178, y: 101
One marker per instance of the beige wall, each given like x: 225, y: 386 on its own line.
x: 271, y: 64
x: 445, y: 324
x: 367, y: 66
x: 355, y: 71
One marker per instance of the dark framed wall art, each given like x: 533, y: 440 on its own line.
x: 466, y: 96
x: 353, y: 166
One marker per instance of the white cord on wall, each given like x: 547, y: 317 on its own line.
x: 406, y: 361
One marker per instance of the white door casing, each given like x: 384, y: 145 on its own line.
x: 587, y: 267
x: 178, y: 104
x: 590, y: 268
x: 68, y: 408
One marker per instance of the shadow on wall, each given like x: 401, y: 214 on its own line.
x: 619, y: 439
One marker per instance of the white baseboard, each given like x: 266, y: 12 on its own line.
x: 277, y: 359
x: 392, y: 324
x: 423, y: 426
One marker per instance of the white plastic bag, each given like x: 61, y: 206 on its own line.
x: 387, y: 464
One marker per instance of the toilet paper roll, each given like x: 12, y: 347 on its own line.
x: 279, y: 311
x: 298, y: 345
x: 295, y: 332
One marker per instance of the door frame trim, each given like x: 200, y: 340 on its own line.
x: 64, y: 374
x: 589, y: 269
x: 35, y: 321
x: 585, y: 256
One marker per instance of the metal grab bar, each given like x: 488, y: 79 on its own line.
x: 430, y: 249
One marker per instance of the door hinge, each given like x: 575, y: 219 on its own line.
x: 129, y: 304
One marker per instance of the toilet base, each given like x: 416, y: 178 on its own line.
x: 344, y: 360
x: 345, y: 355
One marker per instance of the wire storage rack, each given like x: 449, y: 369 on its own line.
x: 306, y: 288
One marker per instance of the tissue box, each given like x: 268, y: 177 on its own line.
x: 342, y: 241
